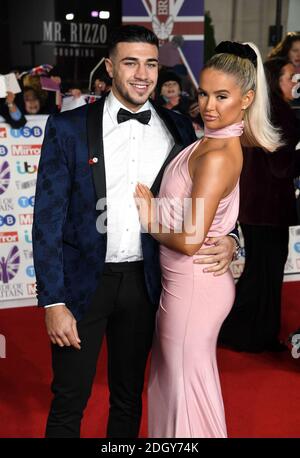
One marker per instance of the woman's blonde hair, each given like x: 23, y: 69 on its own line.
x: 258, y: 128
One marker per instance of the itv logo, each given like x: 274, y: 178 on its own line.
x: 28, y: 237
x: 26, y: 168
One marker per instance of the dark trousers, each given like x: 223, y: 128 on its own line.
x: 254, y: 321
x: 122, y: 310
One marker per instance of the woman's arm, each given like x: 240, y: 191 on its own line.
x: 212, y: 178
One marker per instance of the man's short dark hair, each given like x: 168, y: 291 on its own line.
x: 131, y: 34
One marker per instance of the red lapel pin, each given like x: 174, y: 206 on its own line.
x: 93, y: 161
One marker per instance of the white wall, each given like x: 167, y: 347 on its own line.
x: 293, y: 22
x: 253, y: 18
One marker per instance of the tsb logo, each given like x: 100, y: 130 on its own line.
x: 25, y: 202
x: 30, y: 271
x: 3, y: 150
x: 8, y: 220
x: 27, y: 132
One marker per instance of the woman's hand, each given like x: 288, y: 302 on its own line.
x: 145, y: 203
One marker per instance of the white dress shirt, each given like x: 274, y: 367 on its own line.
x: 133, y: 152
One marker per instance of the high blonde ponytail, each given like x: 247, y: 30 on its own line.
x: 258, y: 128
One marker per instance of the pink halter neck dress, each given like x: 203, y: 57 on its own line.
x: 184, y: 393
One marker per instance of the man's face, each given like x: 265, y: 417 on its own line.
x: 134, y: 69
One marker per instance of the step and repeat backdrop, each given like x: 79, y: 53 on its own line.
x: 19, y: 157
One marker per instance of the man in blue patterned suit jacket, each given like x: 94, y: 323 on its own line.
x: 95, y: 274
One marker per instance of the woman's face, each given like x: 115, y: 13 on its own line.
x: 170, y: 89
x: 294, y: 53
x: 285, y: 82
x: 220, y: 98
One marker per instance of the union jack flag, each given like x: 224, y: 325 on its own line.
x: 40, y: 70
x: 168, y: 18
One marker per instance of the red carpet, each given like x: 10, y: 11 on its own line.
x: 261, y: 392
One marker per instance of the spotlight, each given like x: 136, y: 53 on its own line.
x: 94, y: 13
x: 70, y: 16
x: 104, y: 15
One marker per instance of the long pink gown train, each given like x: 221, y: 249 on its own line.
x: 184, y: 393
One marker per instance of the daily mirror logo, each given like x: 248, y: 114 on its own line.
x: 26, y: 150
x: 3, y: 133
x: 9, y: 237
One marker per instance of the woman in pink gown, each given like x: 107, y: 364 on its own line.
x: 185, y: 397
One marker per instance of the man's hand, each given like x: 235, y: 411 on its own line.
x: 220, y: 254
x: 61, y: 326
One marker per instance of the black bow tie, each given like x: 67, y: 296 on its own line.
x: 143, y: 117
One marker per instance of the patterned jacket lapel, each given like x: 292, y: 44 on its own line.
x: 95, y: 146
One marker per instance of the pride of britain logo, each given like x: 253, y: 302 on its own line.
x: 4, y: 176
x: 9, y: 265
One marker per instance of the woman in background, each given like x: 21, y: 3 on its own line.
x: 169, y: 92
x: 289, y: 48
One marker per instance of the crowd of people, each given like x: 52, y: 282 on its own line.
x: 174, y: 89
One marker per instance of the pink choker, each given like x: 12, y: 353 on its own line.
x: 234, y: 130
